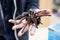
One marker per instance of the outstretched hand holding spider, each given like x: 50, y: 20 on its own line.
x: 29, y: 19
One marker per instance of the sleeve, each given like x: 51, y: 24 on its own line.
x: 32, y: 4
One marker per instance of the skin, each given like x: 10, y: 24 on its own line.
x: 22, y: 24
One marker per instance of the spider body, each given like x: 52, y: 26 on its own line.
x: 32, y: 17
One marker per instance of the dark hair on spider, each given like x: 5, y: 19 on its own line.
x: 32, y: 17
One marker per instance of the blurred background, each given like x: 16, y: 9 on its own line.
x: 43, y: 32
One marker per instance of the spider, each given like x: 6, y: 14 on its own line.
x: 32, y: 17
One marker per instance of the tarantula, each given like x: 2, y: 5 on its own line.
x: 32, y: 17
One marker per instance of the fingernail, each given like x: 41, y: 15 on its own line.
x: 32, y: 33
x: 13, y: 28
x: 9, y: 20
x: 20, y: 34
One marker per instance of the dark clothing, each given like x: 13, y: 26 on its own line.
x: 8, y: 9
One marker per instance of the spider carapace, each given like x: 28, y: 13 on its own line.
x: 33, y: 17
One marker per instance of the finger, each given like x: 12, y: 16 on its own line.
x: 33, y: 29
x: 20, y: 33
x: 14, y: 21
x: 19, y: 25
x: 36, y: 10
x: 24, y: 28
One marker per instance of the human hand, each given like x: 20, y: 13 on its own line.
x: 24, y: 25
